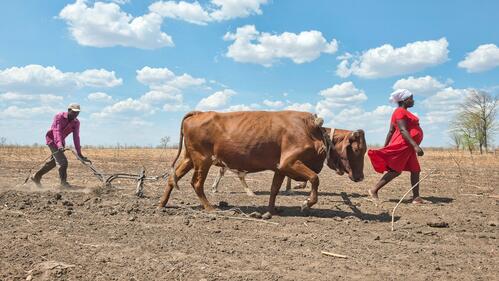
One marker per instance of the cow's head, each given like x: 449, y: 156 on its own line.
x: 347, y: 153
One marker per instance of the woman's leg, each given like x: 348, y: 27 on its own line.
x: 388, y: 177
x: 415, y: 190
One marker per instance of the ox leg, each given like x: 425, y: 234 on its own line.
x: 184, y: 167
x: 242, y: 176
x: 300, y: 169
x: 276, y: 185
x: 200, y: 173
x: 288, y: 190
x: 221, y: 173
x: 288, y: 184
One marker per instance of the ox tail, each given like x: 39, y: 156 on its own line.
x: 180, y: 142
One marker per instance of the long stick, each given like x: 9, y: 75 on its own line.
x: 334, y: 255
x: 393, y: 212
x: 245, y: 219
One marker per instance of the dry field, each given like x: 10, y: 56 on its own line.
x: 94, y: 233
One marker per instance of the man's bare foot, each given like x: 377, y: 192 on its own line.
x: 36, y: 181
x: 418, y: 200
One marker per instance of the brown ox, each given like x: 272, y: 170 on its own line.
x: 290, y: 143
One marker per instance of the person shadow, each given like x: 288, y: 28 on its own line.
x: 295, y: 211
x: 431, y: 199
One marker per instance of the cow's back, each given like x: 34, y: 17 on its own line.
x: 250, y: 140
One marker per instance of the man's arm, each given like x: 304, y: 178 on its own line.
x: 76, y: 138
x: 57, y: 132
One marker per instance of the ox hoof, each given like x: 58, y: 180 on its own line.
x: 250, y: 193
x: 210, y: 208
x: 304, y: 207
x: 214, y: 191
x: 273, y: 211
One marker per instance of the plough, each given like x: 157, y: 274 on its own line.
x: 106, y: 179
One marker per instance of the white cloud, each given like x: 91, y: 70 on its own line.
x: 307, y: 107
x: 185, y: 81
x: 443, y: 105
x: 356, y: 118
x: 216, y: 101
x: 339, y: 96
x: 229, y: 9
x: 99, y: 78
x: 37, y: 78
x: 100, y: 97
x: 448, y: 98
x: 274, y: 104
x: 239, y: 107
x: 218, y: 10
x: 424, y: 86
x: 154, y: 76
x: 175, y: 107
x: 13, y: 97
x: 344, y: 94
x: 15, y: 112
x: 121, y: 2
x: 483, y: 58
x: 189, y: 12
x: 158, y: 96
x: 300, y: 48
x: 123, y: 106
x: 165, y: 90
x: 163, y: 77
x: 106, y: 25
x: 386, y: 61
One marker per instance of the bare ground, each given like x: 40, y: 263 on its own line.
x: 95, y: 233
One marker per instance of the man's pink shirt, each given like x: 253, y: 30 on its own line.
x: 61, y: 128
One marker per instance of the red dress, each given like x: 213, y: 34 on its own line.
x: 399, y: 155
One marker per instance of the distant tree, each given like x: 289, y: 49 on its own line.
x: 476, y: 120
x: 164, y: 141
x: 457, y: 139
x: 3, y: 141
x: 469, y: 143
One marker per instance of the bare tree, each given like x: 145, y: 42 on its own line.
x: 3, y: 141
x: 457, y: 139
x: 476, y: 120
x: 164, y: 141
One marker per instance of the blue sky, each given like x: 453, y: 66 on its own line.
x: 137, y: 67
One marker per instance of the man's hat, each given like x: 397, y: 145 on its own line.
x: 74, y: 107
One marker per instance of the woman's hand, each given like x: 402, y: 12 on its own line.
x: 419, y: 150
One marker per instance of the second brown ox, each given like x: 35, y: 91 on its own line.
x: 290, y: 143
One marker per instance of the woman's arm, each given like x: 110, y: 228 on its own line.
x: 407, y: 137
x: 389, y: 135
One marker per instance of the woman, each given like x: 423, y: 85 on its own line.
x: 401, y: 146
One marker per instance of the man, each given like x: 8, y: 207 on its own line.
x: 64, y: 124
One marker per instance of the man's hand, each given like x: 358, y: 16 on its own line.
x: 84, y: 159
x: 61, y: 149
x: 419, y: 150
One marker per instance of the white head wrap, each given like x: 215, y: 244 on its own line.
x: 400, y: 95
